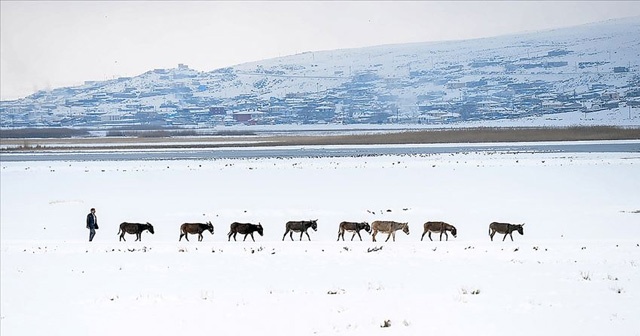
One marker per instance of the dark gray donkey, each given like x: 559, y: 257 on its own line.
x: 300, y: 226
x: 134, y: 228
x: 440, y: 227
x: 354, y: 227
x: 245, y: 229
x: 505, y: 228
x: 195, y: 228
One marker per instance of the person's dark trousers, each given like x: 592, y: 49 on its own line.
x: 92, y: 232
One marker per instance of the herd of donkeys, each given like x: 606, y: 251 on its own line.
x: 388, y: 227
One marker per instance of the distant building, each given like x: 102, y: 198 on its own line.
x: 558, y: 52
x: 248, y: 117
x: 455, y: 85
x: 217, y: 110
x: 611, y: 95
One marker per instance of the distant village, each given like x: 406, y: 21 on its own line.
x: 182, y: 97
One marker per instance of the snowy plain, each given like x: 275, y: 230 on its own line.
x: 575, y: 271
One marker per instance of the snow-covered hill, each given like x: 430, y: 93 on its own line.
x: 579, y: 70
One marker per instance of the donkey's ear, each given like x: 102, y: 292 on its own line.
x: 522, y: 224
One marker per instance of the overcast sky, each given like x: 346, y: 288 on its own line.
x: 49, y: 44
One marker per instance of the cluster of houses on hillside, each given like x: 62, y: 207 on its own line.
x: 183, y: 98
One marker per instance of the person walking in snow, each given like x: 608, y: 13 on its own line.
x: 92, y: 223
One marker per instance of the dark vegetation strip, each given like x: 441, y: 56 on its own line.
x: 42, y: 133
x: 472, y: 135
x: 478, y: 135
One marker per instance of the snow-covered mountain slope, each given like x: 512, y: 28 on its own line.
x: 581, y: 69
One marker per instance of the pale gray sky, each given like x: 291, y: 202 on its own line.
x: 49, y: 44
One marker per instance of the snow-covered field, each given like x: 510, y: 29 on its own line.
x: 575, y: 271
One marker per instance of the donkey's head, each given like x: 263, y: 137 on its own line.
x: 454, y: 231
x: 405, y: 228
x: 366, y: 226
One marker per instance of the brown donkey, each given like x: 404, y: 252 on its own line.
x: 441, y: 227
x: 389, y: 227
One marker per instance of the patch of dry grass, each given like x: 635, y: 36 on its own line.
x: 477, y: 135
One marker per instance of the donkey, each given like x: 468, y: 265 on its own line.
x: 353, y: 227
x: 300, y: 226
x: 245, y: 229
x: 389, y: 227
x: 505, y: 228
x: 134, y: 228
x: 194, y: 228
x: 441, y: 227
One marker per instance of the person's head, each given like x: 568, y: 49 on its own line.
x: 93, y: 210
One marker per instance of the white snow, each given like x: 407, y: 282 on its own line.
x: 575, y: 271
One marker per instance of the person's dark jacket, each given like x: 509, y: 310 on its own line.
x: 92, y: 221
